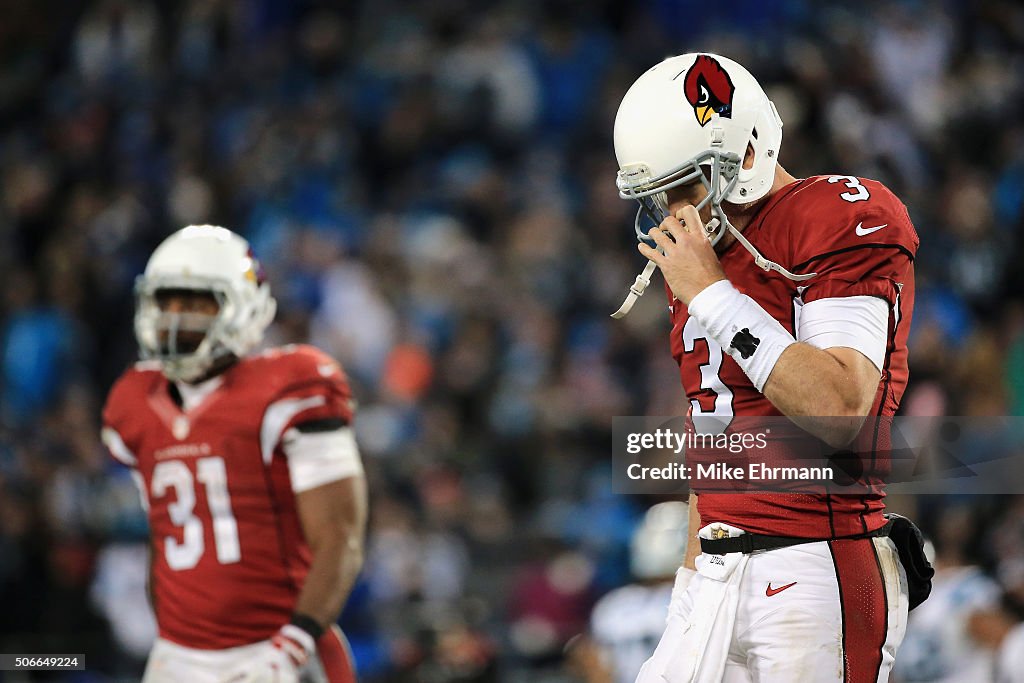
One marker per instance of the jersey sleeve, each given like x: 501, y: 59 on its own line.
x: 857, y: 322
x: 119, y: 431
x: 318, y: 458
x: 315, y: 393
x: 117, y: 424
x: 863, y: 248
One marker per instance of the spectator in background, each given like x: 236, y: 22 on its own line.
x: 943, y: 640
x: 40, y: 350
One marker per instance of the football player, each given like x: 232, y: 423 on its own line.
x: 788, y: 297
x: 248, y: 469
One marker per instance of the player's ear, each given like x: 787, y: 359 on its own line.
x: 748, y: 158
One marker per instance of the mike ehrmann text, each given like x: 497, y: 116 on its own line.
x: 755, y: 471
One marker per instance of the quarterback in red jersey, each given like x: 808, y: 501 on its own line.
x: 248, y: 470
x: 788, y: 297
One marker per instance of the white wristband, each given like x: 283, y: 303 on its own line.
x: 743, y: 329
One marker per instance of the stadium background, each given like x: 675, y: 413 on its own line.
x: 431, y: 188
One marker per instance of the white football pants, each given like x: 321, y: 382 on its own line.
x: 823, y: 612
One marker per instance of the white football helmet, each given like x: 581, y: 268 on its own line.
x: 691, y: 118
x: 211, y: 259
x: 658, y: 546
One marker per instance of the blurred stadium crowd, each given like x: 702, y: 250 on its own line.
x: 431, y: 188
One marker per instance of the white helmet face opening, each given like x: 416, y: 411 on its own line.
x: 691, y: 118
x: 716, y: 171
x: 184, y: 342
x: 210, y: 260
x: 182, y: 333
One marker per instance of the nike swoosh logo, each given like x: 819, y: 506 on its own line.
x: 769, y: 592
x: 867, y: 231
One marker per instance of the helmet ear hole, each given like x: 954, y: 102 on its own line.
x: 749, y: 157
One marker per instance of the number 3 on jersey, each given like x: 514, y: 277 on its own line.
x: 857, y: 193
x: 711, y: 385
x: 212, y: 474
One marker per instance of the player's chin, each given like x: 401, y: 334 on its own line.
x: 731, y: 208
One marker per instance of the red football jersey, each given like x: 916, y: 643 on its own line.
x: 229, y: 556
x: 857, y: 236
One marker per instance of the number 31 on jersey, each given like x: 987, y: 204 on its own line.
x: 211, y: 473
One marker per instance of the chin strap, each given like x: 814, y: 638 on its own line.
x: 644, y: 278
x: 636, y: 291
x: 763, y: 263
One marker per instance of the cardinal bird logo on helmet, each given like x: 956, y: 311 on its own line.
x: 708, y: 89
x: 255, y: 273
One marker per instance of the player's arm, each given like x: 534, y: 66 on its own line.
x: 149, y: 577
x: 326, y: 475
x: 333, y: 518
x: 330, y: 493
x: 808, y: 382
x: 123, y: 455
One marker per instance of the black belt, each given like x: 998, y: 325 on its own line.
x: 748, y: 543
